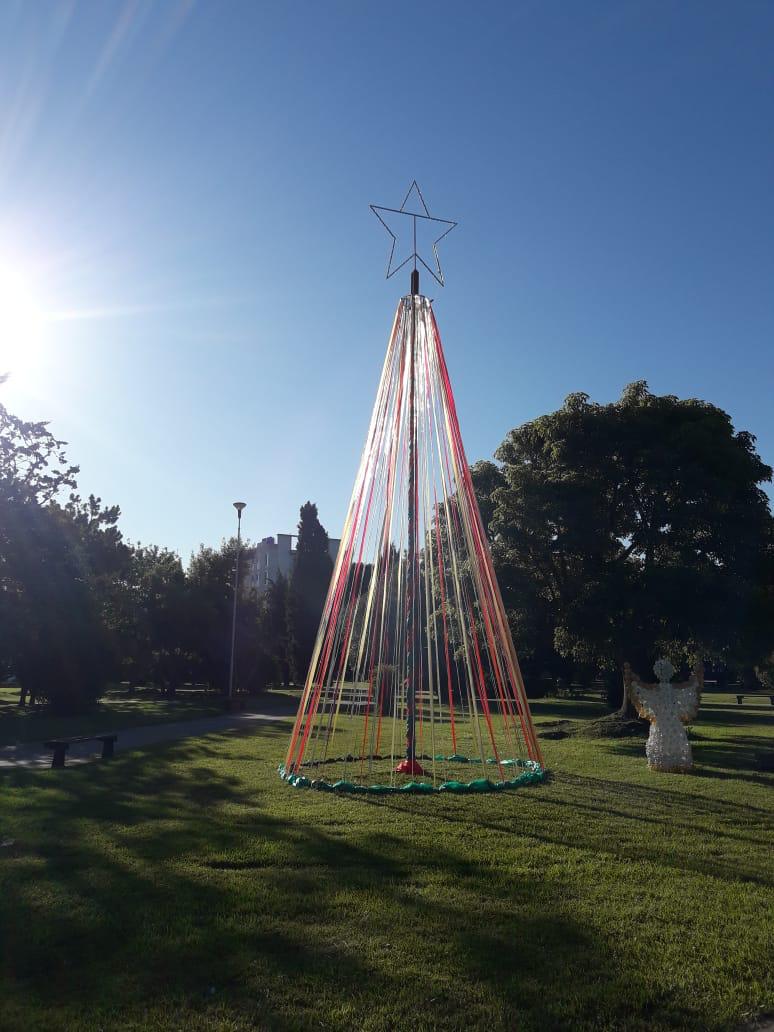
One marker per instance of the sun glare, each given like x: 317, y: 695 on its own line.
x: 21, y: 319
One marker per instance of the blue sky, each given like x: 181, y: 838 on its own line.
x: 184, y: 192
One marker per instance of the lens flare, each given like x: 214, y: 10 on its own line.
x: 21, y: 319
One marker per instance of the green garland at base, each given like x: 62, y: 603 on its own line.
x: 531, y: 775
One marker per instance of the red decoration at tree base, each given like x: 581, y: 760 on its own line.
x: 409, y: 767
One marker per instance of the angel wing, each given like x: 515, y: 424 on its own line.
x: 639, y: 693
x: 688, y: 695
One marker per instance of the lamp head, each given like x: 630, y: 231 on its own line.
x: 239, y: 506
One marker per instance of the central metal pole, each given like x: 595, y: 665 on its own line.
x: 410, y: 764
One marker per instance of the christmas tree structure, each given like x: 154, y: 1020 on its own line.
x: 414, y: 684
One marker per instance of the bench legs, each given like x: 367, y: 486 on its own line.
x: 60, y: 751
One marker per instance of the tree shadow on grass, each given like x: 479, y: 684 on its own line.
x: 131, y: 889
x: 481, y: 951
x: 627, y: 821
x: 146, y: 883
x: 100, y: 910
x: 734, y: 716
x: 505, y: 931
x: 569, y: 710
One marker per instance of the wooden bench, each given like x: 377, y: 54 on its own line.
x: 351, y: 697
x: 582, y: 691
x: 753, y: 695
x: 61, y: 745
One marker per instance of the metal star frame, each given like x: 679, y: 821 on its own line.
x: 437, y: 274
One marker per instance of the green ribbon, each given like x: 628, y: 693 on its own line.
x: 532, y: 775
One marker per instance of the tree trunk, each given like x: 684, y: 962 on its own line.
x: 627, y: 710
x: 611, y: 681
x: 749, y: 679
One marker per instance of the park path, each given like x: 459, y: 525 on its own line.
x: 34, y: 754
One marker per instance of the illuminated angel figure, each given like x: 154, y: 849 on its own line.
x: 668, y: 707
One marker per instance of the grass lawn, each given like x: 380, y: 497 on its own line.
x: 187, y: 887
x: 114, y: 711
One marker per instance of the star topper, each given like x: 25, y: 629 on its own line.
x: 427, y: 218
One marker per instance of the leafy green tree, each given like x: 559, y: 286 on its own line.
x: 79, y: 607
x: 152, y: 619
x: 210, y: 582
x: 33, y: 463
x: 309, y: 581
x: 56, y: 561
x: 626, y: 530
x: 55, y: 636
x: 33, y: 470
x: 529, y: 599
x: 273, y: 624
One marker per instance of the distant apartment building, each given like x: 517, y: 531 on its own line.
x: 269, y: 558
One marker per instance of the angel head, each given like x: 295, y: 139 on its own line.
x: 663, y: 670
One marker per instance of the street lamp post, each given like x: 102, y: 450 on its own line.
x: 239, y: 506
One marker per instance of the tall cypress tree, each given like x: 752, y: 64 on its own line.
x: 309, y: 582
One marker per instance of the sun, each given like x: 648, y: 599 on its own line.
x: 21, y: 319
